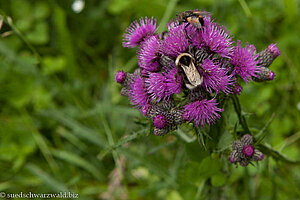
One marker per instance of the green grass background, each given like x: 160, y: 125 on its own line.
x: 65, y: 127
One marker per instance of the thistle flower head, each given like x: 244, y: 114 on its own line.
x: 216, y: 38
x: 204, y: 111
x: 237, y: 89
x: 176, y: 42
x: 215, y: 77
x: 159, y: 121
x: 163, y: 85
x: 194, y: 57
x: 148, y: 54
x: 138, y: 31
x: 248, y: 150
x: 137, y: 92
x: 120, y: 77
x: 245, y: 62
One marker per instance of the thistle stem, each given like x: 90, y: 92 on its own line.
x: 238, y: 110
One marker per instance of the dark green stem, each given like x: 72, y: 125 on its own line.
x: 238, y: 110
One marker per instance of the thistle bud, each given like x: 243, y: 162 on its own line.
x: 265, y: 75
x: 243, y: 151
x: 267, y: 56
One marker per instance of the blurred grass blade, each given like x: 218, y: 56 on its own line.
x: 177, y: 163
x: 103, y: 108
x: 77, y: 128
x: 47, y: 178
x: 155, y: 167
x: 159, y: 147
x: 64, y: 39
x: 169, y: 9
x: 76, y: 160
x: 40, y: 141
x: 72, y: 138
x: 5, y: 185
x: 245, y: 8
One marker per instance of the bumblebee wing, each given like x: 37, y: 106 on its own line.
x: 202, y: 13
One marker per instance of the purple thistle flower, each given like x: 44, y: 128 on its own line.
x: 272, y: 75
x: 216, y: 38
x: 215, y: 77
x: 163, y: 85
x: 156, y: 86
x: 137, y: 32
x: 176, y: 42
x: 120, y: 77
x: 244, y: 62
x: 202, y: 111
x: 199, y: 60
x: 172, y: 24
x: 144, y: 109
x: 248, y: 150
x: 273, y: 50
x: 173, y: 81
x: 147, y: 54
x: 237, y: 89
x: 137, y: 93
x: 159, y: 121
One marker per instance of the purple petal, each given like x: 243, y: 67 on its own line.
x: 244, y: 61
x: 202, y: 111
x: 163, y: 85
x: 147, y: 54
x: 137, y: 93
x: 176, y: 42
x: 137, y: 32
x: 215, y: 77
x: 216, y: 38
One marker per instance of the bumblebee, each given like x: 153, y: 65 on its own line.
x: 194, y: 18
x: 186, y: 62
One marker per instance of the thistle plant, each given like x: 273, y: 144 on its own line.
x: 186, y: 74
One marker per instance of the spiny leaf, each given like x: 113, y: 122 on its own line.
x: 225, y: 141
x: 268, y: 150
x: 121, y: 142
x: 200, y: 137
x: 262, y: 133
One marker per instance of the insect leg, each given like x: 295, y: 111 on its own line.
x: 187, y: 36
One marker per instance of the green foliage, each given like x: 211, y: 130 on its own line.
x: 65, y: 127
